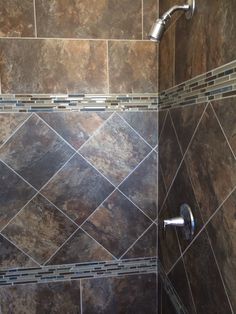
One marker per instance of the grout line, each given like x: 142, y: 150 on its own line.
x: 186, y: 151
x: 35, y: 20
x: 223, y: 130
x: 118, y: 114
x: 189, y: 285
x: 132, y: 245
x: 108, y: 73
x: 220, y: 273
x: 55, y: 132
x: 164, y: 122
x: 14, y: 132
x: 142, y: 13
x: 73, y: 39
x: 99, y: 243
x: 31, y: 258
x: 58, y: 249
x: 204, y: 227
x: 81, y: 296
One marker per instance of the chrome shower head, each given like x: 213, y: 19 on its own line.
x: 160, y: 25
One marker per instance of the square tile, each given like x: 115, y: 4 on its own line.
x: 12, y: 257
x: 14, y: 194
x: 39, y: 229
x: 80, y: 248
x: 116, y: 224
x: 78, y: 189
x: 128, y: 294
x: 35, y: 152
x: 145, y: 123
x: 75, y: 127
x: 141, y: 186
x: 115, y: 150
x: 211, y: 165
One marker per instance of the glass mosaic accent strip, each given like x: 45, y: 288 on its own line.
x: 216, y: 84
x: 78, y: 271
x: 169, y: 289
x: 78, y: 102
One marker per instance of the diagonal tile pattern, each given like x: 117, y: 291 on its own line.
x: 14, y: 194
x: 73, y: 127
x: 35, y: 152
x: 116, y: 224
x: 78, y: 189
x: 39, y: 229
x: 80, y: 248
x: 115, y: 150
x: 141, y: 186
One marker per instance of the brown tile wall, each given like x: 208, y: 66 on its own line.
x: 74, y: 46
x: 198, y: 144
x: 192, y: 47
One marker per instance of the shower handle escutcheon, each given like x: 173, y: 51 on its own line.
x: 185, y: 221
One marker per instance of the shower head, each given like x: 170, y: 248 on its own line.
x: 160, y: 25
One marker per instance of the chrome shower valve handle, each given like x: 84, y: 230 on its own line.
x: 185, y: 221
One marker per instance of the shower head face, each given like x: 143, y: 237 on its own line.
x: 157, y: 30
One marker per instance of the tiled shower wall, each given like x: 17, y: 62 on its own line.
x: 78, y: 187
x: 198, y: 157
x: 82, y: 46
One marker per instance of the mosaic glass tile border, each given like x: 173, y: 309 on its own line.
x: 216, y: 84
x: 78, y: 102
x: 46, y: 274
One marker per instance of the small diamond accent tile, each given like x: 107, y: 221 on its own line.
x: 141, y: 186
x: 115, y: 150
x: 116, y: 224
x: 75, y: 127
x: 14, y: 194
x: 39, y: 229
x: 78, y: 189
x: 35, y: 152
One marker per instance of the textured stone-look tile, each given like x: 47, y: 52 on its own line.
x: 185, y: 121
x: 12, y: 257
x: 115, y: 150
x: 169, y: 152
x: 212, y: 165
x: 167, y: 306
x: 150, y: 14
x: 141, y: 186
x: 168, y: 246
x: 14, y: 194
x: 132, y: 67
x: 222, y: 233
x: 161, y: 189
x: 179, y: 281
x: 226, y: 113
x: 130, y: 294
x: 161, y: 121
x: 53, y: 66
x: 75, y: 127
x: 145, y: 123
x: 146, y: 246
x: 205, y: 281
x: 89, y: 19
x: 17, y: 18
x: 78, y: 189
x: 60, y: 297
x: 80, y: 248
x: 39, y: 229
x: 182, y: 193
x: 117, y: 224
x: 9, y: 123
x: 35, y: 152
x: 212, y: 17
x: 167, y: 60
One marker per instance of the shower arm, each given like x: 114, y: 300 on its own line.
x: 167, y: 15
